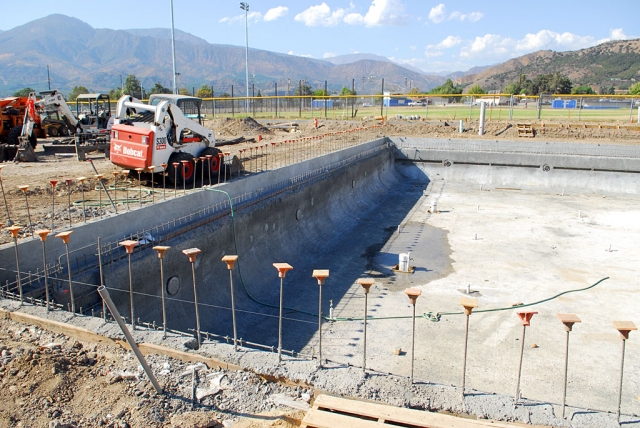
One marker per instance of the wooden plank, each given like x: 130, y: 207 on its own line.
x: 150, y: 348
x: 410, y: 417
x: 59, y: 327
x: 318, y: 419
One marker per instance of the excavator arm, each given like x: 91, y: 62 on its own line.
x: 56, y: 99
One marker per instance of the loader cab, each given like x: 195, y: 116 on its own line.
x: 190, y: 106
x: 93, y: 111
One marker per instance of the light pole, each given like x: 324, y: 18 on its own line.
x: 173, y: 52
x: 245, y: 6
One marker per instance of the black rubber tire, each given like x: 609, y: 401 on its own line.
x: 15, y: 132
x: 215, y: 163
x: 52, y: 131
x: 178, y: 176
x: 64, y: 131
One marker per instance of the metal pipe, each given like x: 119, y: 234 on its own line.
x: 233, y: 312
x: 6, y: 205
x: 104, y: 187
x: 132, y: 343
x: 364, y: 356
x: 195, y: 301
x: 566, y: 367
x: 104, y: 309
x: 517, y: 394
x: 26, y: 199
x: 624, y: 342
x: 14, y: 231
x: 44, y: 271
x: 280, y: 323
x: 320, y: 324
x: 413, y: 338
x: 53, y: 202
x: 133, y: 322
x: 464, y: 360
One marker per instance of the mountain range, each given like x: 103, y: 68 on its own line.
x: 79, y: 54
x: 615, y: 63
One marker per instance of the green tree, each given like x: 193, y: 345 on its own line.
x: 24, y: 92
x: 584, y: 89
x: 77, y: 90
x: 320, y: 93
x: 414, y: 91
x: 184, y: 91
x: 132, y: 86
x: 306, y: 90
x: 446, y: 89
x: 476, y: 90
x: 159, y: 89
x: 204, y: 92
x: 635, y: 89
x: 512, y: 88
x: 347, y: 91
x: 225, y: 95
x: 115, y: 94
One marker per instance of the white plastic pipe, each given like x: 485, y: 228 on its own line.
x: 483, y: 108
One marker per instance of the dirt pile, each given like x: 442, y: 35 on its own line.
x: 51, y: 380
x: 240, y: 127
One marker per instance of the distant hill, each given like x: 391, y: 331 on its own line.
x: 165, y: 33
x: 96, y: 58
x: 351, y: 58
x: 616, y: 62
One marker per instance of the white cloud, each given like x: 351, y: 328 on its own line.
x: 615, y: 34
x: 251, y: 17
x: 381, y: 12
x: 449, y: 42
x: 275, y: 13
x: 413, y: 48
x: 438, y: 14
x: 547, y: 39
x: 328, y: 55
x: 302, y: 55
x: 321, y: 15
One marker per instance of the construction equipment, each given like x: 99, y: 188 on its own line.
x: 145, y: 135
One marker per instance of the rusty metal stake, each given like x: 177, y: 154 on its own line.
x: 104, y: 309
x: 192, y: 253
x: 525, y: 318
x: 84, y: 211
x: 125, y: 172
x: 164, y: 177
x: 468, y: 304
x: 320, y: 275
x: 128, y: 246
x: 282, y: 268
x: 230, y: 261
x: 14, y: 232
x: 161, y: 249
x: 153, y: 186
x: 42, y: 233
x: 366, y: 284
x: 175, y: 178
x: 26, y: 200
x: 140, y: 186
x: 65, y: 238
x: 69, y: 181
x: 53, y: 202
x: 624, y: 328
x: 4, y: 196
x: 413, y: 294
x: 132, y: 343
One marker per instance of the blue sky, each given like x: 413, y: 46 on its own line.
x: 431, y: 35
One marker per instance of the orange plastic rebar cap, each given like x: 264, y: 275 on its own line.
x: 64, y: 236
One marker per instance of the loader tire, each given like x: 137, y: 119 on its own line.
x: 212, y: 165
x: 183, y: 173
x: 15, y: 132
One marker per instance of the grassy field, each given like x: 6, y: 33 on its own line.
x: 453, y: 112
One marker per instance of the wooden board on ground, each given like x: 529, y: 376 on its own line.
x: 331, y: 412
x: 525, y: 130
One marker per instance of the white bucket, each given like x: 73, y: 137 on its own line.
x: 403, y: 262
x: 434, y: 207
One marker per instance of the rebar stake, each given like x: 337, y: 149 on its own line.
x: 413, y: 294
x: 14, y: 232
x: 125, y: 172
x: 42, y: 233
x: 192, y: 253
x: 230, y: 260
x: 164, y: 176
x: 184, y: 176
x: 54, y: 183
x: 568, y: 320
x: 366, y: 284
x: 320, y: 275
x: 224, y: 165
x: 132, y: 343
x: 624, y: 328
x: 65, y: 238
x: 104, y: 309
x: 26, y: 200
x: 139, y: 170
x: 202, y: 159
x: 219, y: 165
x: 100, y: 177
x: 115, y: 185
x: 175, y: 178
x: 525, y: 318
x: 195, y: 171
x: 128, y: 246
x: 468, y: 304
x: 84, y: 212
x: 161, y: 249
x: 4, y: 196
x: 153, y: 186
x: 282, y: 268
x: 209, y: 169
